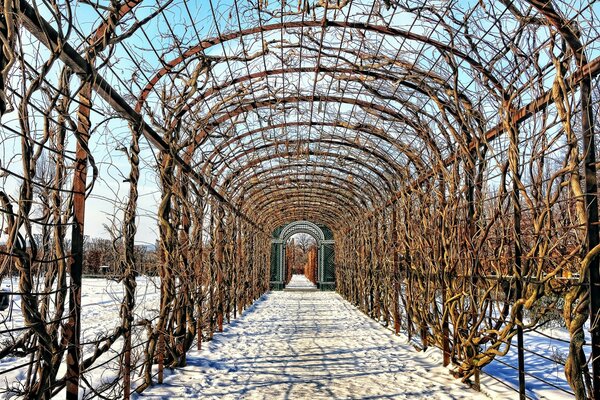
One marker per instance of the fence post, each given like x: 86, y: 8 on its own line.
x: 445, y: 322
x: 127, y: 365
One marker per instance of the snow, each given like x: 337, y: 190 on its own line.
x: 300, y: 282
x: 101, y: 304
x: 545, y: 379
x: 309, y: 345
x: 300, y: 343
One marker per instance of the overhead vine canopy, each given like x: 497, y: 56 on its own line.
x: 335, y: 104
x: 448, y: 146
x: 328, y: 109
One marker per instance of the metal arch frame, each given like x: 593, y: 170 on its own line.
x: 243, y: 203
x: 405, y: 81
x: 383, y: 159
x: 295, y: 227
x: 269, y: 102
x: 280, y: 243
x: 299, y: 213
x: 364, y: 128
x: 384, y: 176
x: 199, y: 49
x: 267, y: 173
x: 384, y: 30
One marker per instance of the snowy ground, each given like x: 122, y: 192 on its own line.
x: 300, y: 282
x: 546, y: 349
x: 294, y: 345
x: 101, y: 299
x: 545, y: 379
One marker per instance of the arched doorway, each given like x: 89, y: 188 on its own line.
x: 325, y: 253
x: 301, y: 257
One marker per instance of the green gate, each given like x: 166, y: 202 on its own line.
x: 325, y: 253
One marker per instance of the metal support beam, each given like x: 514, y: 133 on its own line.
x: 593, y: 233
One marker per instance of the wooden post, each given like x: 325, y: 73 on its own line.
x: 219, y: 258
x: 77, y: 238
x: 474, y: 267
x: 127, y: 364
x: 161, y: 356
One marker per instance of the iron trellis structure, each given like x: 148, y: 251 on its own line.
x: 449, y: 147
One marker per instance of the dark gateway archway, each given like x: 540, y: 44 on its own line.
x: 325, y: 253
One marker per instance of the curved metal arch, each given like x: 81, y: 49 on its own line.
x: 387, y: 182
x: 307, y: 231
x: 383, y: 75
x: 283, y: 219
x: 338, y: 140
x: 340, y: 206
x: 287, y: 216
x: 269, y: 102
x: 364, y: 128
x: 324, y: 189
x: 254, y: 102
x: 308, y: 226
x: 342, y: 201
x: 361, y: 26
x: 234, y: 171
x: 376, y: 192
x: 295, y: 183
x: 323, y: 206
x: 391, y: 167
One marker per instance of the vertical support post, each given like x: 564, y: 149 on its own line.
x: 323, y: 247
x: 220, y: 260
x: 396, y: 272
x: 282, y: 263
x: 200, y: 274
x: 77, y: 239
x: 592, y: 239
x: 129, y: 284
x: 319, y: 263
x: 161, y: 357
x: 513, y: 159
x: 127, y: 365
x: 445, y: 322
x: 315, y: 254
x: 408, y: 297
x: 445, y: 327
x: 128, y: 322
x: 520, y: 346
x: 470, y: 181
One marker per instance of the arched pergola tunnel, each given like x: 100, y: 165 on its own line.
x: 448, y: 148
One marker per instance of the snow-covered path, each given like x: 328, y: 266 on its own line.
x: 315, y: 345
